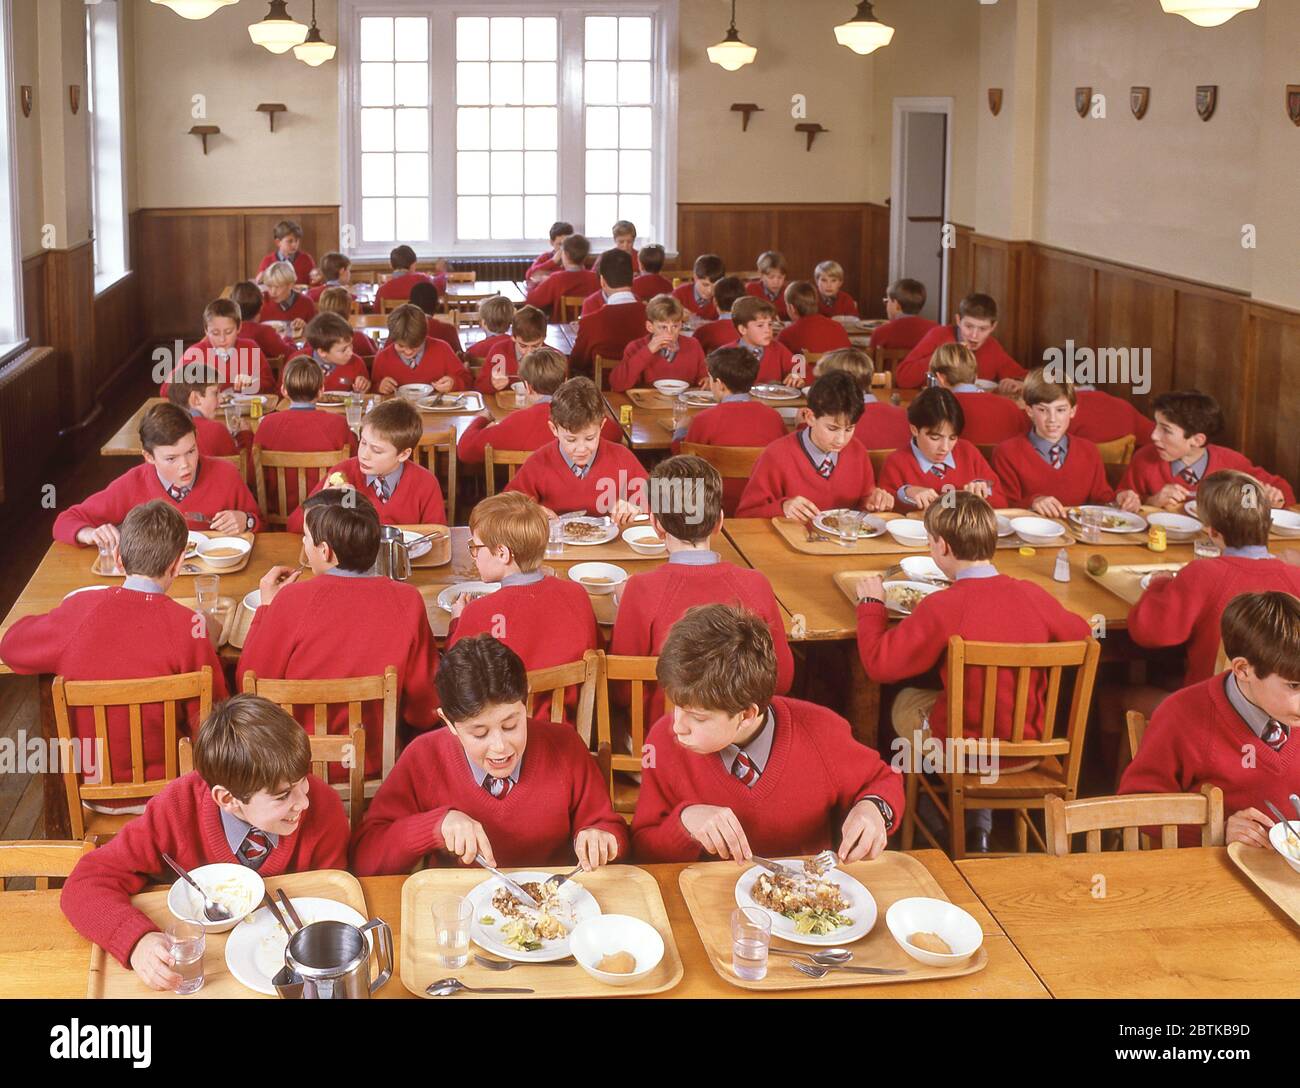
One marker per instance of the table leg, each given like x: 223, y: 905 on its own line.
x: 864, y: 700
x: 57, y: 825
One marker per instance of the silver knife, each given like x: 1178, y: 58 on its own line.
x: 776, y: 867
x: 510, y: 884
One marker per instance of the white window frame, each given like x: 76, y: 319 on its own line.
x: 12, y: 339
x: 107, y: 154
x: 442, y: 15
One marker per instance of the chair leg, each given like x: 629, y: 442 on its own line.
x: 957, y: 821
x: 909, y: 815
x: 1022, y: 831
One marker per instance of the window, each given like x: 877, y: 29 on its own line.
x: 104, y: 110
x: 11, y: 302
x: 471, y: 128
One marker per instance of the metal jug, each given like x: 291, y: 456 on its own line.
x: 394, y: 556
x: 332, y: 960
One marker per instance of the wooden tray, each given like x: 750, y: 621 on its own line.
x: 709, y: 889
x: 1124, y: 581
x: 1271, y: 875
x: 1133, y: 540
x: 193, y: 565
x: 474, y: 403
x: 229, y: 608
x: 437, y: 556
x: 651, y: 399
x: 619, y: 889
x: 794, y: 534
x: 110, y: 979
x: 846, y: 579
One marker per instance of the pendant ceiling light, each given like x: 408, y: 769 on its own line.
x: 278, y: 32
x: 315, y: 50
x: 864, y: 33
x: 194, y: 9
x: 1208, y: 12
x: 731, y: 53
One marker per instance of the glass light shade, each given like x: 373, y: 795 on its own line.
x: 1207, y: 12
x: 863, y: 36
x: 315, y: 50
x: 731, y: 53
x: 278, y: 32
x: 194, y: 9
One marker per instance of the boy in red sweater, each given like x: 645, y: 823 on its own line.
x: 686, y: 495
x: 385, y: 471
x: 938, y: 458
x: 345, y: 621
x: 735, y: 771
x: 1233, y: 730
x: 337, y: 301
x: 990, y: 418
x: 125, y: 632
x: 713, y: 335
x: 819, y: 467
x: 832, y: 300
x: 904, y: 301
x: 519, y: 791
x: 770, y: 284
x: 1049, y: 470
x: 1104, y: 417
x: 580, y: 470
x: 552, y: 259
x: 697, y: 297
x: 573, y: 280
x: 329, y: 346
x: 1166, y: 473
x: 202, y: 399
x: 974, y: 326
x: 664, y: 353
x: 283, y: 303
x: 209, y: 494
x: 412, y: 356
x: 239, y: 363
x: 494, y: 316
x: 618, y: 321
x: 335, y: 271
x: 288, y: 249
x: 650, y: 282
x: 250, y: 800
x: 397, y: 288
x: 754, y: 319
x: 882, y: 426
x: 503, y: 355
x: 426, y: 297
x: 624, y: 234
x: 247, y: 296
x: 810, y: 333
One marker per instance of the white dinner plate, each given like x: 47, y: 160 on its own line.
x: 773, y: 391
x: 581, y: 903
x: 448, y: 596
x: 871, y: 525
x: 608, y: 531
x: 1132, y: 523
x: 255, y: 948
x: 862, y: 908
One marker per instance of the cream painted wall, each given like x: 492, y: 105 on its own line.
x: 31, y: 197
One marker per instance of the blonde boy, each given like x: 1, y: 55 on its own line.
x: 663, y: 353
x: 833, y: 301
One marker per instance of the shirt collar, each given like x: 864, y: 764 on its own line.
x: 987, y: 570
x: 569, y: 461
x: 693, y: 558
x: 339, y: 572
x: 185, y: 490
x: 619, y: 297
x: 480, y: 773
x: 523, y: 578
x: 1249, y: 551
x: 810, y: 447
x: 391, y: 479
x: 416, y: 359
x: 310, y: 407
x: 869, y: 398
x: 703, y: 303
x: 237, y: 830
x: 141, y: 584
x: 735, y: 398
x: 966, y: 387
x: 541, y: 398
x: 759, y: 750
x: 1044, y: 445
x: 925, y: 463
x: 289, y: 303
x: 753, y: 349
x: 1254, y: 717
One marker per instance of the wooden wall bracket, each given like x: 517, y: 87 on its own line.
x: 204, y: 131
x: 271, y: 109
x: 745, y: 108
x: 811, y: 129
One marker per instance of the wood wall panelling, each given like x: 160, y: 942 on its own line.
x: 1275, y: 408
x: 1061, y: 305
x: 119, y: 332
x: 69, y: 293
x: 1137, y: 313
x: 1209, y: 354
x: 35, y: 317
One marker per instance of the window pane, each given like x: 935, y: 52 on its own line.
x: 507, y: 128
x: 634, y: 38
x: 471, y: 39
x: 540, y: 171
x: 507, y: 217
x: 376, y: 84
x: 539, y: 213
x: 602, y: 37
x: 472, y: 172
x: 472, y: 217
x: 413, y: 219
x: 472, y: 129
x: 376, y: 130
x: 411, y: 41
x: 634, y: 82
x: 411, y: 84
x: 413, y: 175
x: 602, y: 172
x: 377, y: 220
x: 539, y: 84
x: 636, y: 126
x: 634, y: 171
x: 507, y: 174
x: 376, y: 175
x: 507, y: 39
x: 602, y: 211
x: 540, y: 129
x: 636, y: 209
x: 602, y: 126
x: 600, y: 83
x: 539, y: 43
x: 507, y: 84
x: 376, y: 40
x: 412, y: 130
x: 471, y: 84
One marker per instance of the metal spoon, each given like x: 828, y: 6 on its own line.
x: 832, y: 957
x: 213, y: 912
x: 1286, y: 824
x: 1295, y: 803
x: 510, y: 965
x: 445, y: 987
x: 813, y: 970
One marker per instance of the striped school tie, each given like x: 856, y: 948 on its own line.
x: 745, y: 770
x: 940, y: 470
x: 178, y: 493
x: 255, y: 848
x: 498, y: 787
x: 1055, y: 454
x: 577, y: 471
x: 1275, y: 735
x: 1190, y: 476
x: 826, y: 468
x: 381, y: 488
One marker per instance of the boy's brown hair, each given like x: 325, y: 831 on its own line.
x: 303, y: 380
x: 513, y: 520
x: 735, y: 368
x: 709, y: 266
x: 830, y: 268
x: 616, y: 268
x: 249, y: 744
x: 857, y: 364
x: 1038, y: 390
x: 1264, y: 628
x: 956, y: 364
x: 750, y: 307
x: 221, y: 307
x: 334, y: 300
x: 718, y: 657
x: 909, y: 294
x: 528, y: 324
x: 935, y: 406
x: 193, y: 380
x: 692, y: 518
x: 545, y: 369
x: 836, y: 395
x: 726, y: 292
x: 495, y: 314
x: 397, y: 422
x: 408, y: 325
x: 164, y: 425
x: 771, y: 261
x: 652, y: 259
x: 334, y: 263
x: 665, y: 308
x: 966, y: 523
x: 1233, y: 504
x: 248, y: 297
x: 288, y: 228
x: 348, y: 522
x: 1195, y: 412
x: 576, y: 248
x: 623, y: 229
x: 980, y: 307
x: 402, y: 258
x: 479, y: 672
x: 801, y: 298
x: 560, y: 229
x: 152, y: 538
x: 576, y: 405
x: 326, y: 330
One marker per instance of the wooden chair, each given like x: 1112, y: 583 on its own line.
x: 321, y: 695
x: 569, y: 308
x: 584, y: 675
x: 239, y: 460
x: 1119, y: 451
x: 1136, y: 723
x: 878, y: 459
x: 461, y: 277
x: 388, y: 305
x: 732, y: 462
x: 603, y: 367
x: 368, y: 321
x: 280, y: 462
x: 43, y: 859
x: 1132, y: 812
x: 426, y: 454
x: 882, y: 383
x: 986, y: 450
x: 639, y: 671
x: 812, y: 358
x: 98, y: 695
x: 888, y: 358
x: 1059, y: 757
x: 512, y: 459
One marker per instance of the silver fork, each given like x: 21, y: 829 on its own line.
x: 814, y: 970
x: 824, y: 862
x: 560, y: 879
x: 510, y: 965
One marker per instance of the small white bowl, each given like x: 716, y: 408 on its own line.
x: 922, y: 566
x: 672, y: 387
x: 606, y: 934
x: 1277, y: 836
x: 580, y: 572
x: 1037, y: 530
x: 643, y: 540
x: 1189, y: 508
x: 520, y: 389
x: 253, y: 600
x: 790, y: 415
x: 952, y: 924
x: 1177, y: 526
x: 192, y: 542
x: 415, y: 391
x: 907, y: 531
x: 1285, y: 522
x: 237, y: 543
x: 184, y: 902
x: 1004, y: 526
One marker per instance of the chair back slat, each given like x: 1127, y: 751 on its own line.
x: 637, y: 672
x: 732, y: 462
x: 279, y: 463
x: 41, y: 859
x: 512, y: 459
x: 556, y: 680
x: 426, y: 453
x: 1021, y: 711
x: 1130, y: 814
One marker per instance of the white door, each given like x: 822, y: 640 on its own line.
x: 919, y: 204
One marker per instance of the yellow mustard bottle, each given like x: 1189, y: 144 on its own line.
x: 1157, y: 541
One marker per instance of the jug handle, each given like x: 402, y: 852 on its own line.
x: 385, y: 951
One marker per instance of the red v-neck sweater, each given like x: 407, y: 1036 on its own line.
x: 815, y: 773
x: 248, y: 360
x: 756, y: 288
x: 568, y: 283
x: 994, y: 363
x: 1196, y: 737
x: 559, y: 793
x: 301, y: 309
x: 1148, y: 472
x: 607, y: 333
x: 715, y: 334
x: 496, y: 349
x: 1104, y: 417
x: 298, y: 430
x: 522, y: 429
x: 438, y: 362
x: 735, y: 423
x: 816, y: 334
x: 685, y: 294
x: 842, y: 305
x: 998, y: 609
x: 1188, y: 608
x: 901, y: 468
x: 776, y: 363
x: 883, y: 427
x: 218, y: 487
x: 184, y: 821
x: 990, y: 418
x: 342, y: 379
x: 545, y: 478
x: 302, y: 263
x: 417, y: 499
x: 1026, y: 476
x: 785, y: 470
x: 902, y: 332
x: 649, y: 284
x: 642, y: 367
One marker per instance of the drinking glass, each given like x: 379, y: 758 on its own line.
x: 186, y: 942
x: 106, y: 561
x: 207, y: 587
x: 1090, y: 525
x: 1205, y: 548
x: 451, y: 918
x: 232, y: 418
x: 751, y: 933
x: 850, y: 528
x: 681, y: 416
x: 555, y: 541
x: 355, y: 410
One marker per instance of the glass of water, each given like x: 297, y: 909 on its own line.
x: 1090, y: 524
x: 1205, y: 548
x: 850, y: 528
x: 355, y: 410
x: 186, y: 941
x: 232, y: 417
x: 107, y: 563
x: 751, y: 933
x: 681, y: 416
x: 207, y: 588
x: 451, y: 918
x: 555, y: 542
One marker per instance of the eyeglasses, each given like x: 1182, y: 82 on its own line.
x: 474, y: 549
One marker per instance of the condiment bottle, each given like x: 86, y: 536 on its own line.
x: 1157, y: 541
x: 625, y: 415
x: 1061, y: 573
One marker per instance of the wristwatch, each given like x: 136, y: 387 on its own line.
x: 886, y: 810
x: 249, y: 522
x: 870, y: 600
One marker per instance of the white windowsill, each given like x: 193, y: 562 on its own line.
x: 109, y: 279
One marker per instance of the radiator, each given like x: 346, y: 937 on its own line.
x: 29, y: 421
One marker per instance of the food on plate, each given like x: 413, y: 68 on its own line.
x: 617, y: 963
x: 595, y: 581
x: 583, y: 530
x: 930, y: 942
x: 336, y: 479
x: 529, y: 926
x: 487, y: 920
x: 904, y: 598
x: 234, y: 894
x: 830, y: 522
x: 815, y: 906
x: 222, y: 553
